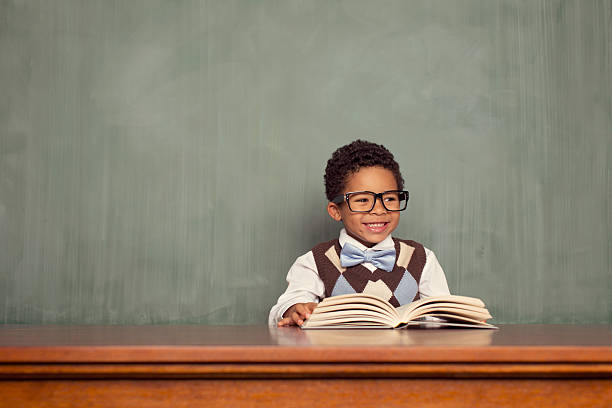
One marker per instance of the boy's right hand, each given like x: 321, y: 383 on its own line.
x: 296, y: 314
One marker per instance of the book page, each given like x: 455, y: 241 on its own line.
x: 450, y: 318
x: 473, y: 312
x: 355, y: 300
x: 364, y: 307
x: 423, y: 324
x: 366, y: 315
x: 405, y: 311
x: 346, y: 322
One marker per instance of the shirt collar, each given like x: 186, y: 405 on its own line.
x: 386, y: 243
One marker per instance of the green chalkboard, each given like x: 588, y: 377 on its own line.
x: 162, y: 161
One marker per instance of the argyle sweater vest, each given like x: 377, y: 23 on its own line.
x: 400, y: 286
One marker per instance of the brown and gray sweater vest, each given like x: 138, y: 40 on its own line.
x: 399, y: 287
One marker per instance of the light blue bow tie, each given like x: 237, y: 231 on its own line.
x: 351, y: 256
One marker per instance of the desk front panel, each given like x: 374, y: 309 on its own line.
x: 390, y: 392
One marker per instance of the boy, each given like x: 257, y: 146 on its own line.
x: 365, y: 191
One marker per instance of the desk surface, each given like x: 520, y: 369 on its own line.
x: 256, y: 366
x: 259, y: 344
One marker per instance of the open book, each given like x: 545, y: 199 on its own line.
x: 362, y: 310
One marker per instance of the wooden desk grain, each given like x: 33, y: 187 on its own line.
x: 190, y: 366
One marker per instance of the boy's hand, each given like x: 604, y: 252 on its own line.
x: 296, y: 314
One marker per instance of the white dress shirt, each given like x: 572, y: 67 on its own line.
x: 306, y: 286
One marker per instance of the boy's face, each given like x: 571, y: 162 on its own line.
x: 372, y: 227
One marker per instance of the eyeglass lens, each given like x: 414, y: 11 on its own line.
x: 365, y: 201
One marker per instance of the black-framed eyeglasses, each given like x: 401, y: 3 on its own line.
x: 364, y: 201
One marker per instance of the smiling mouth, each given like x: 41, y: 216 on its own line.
x: 376, y: 226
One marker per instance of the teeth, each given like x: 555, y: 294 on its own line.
x: 382, y: 224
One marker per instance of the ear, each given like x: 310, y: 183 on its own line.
x: 334, y: 211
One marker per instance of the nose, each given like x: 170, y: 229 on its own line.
x: 379, y: 208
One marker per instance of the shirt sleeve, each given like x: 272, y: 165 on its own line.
x: 304, y: 286
x: 433, y: 280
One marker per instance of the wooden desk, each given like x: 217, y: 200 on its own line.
x: 220, y: 366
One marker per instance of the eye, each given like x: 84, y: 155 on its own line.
x: 391, y: 197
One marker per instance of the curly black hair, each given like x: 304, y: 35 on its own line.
x: 348, y: 159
